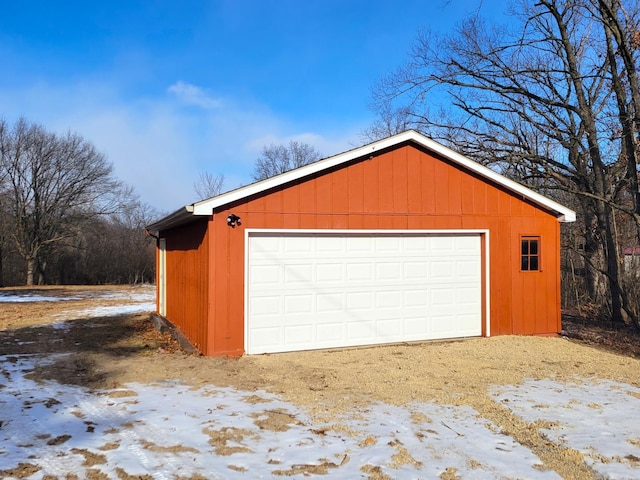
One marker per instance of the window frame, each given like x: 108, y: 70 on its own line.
x: 530, y: 239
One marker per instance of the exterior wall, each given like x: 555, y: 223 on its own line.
x: 405, y: 188
x: 187, y: 283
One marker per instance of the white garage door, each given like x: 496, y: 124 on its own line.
x: 323, y: 290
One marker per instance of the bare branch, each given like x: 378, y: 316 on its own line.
x: 277, y: 159
x: 208, y: 185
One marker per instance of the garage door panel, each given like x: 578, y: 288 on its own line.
x: 297, y: 304
x: 293, y: 274
x: 265, y: 337
x: 442, y: 245
x: 390, y: 328
x: 358, y: 244
x: 330, y: 332
x: 467, y: 270
x: 415, y: 244
x: 443, y: 323
x: 359, y: 301
x: 416, y: 270
x: 360, y: 332
x: 265, y: 306
x: 387, y: 244
x: 388, y: 271
x: 309, y: 291
x: 442, y: 271
x: 442, y: 297
x: 298, y: 244
x: 298, y: 335
x: 264, y: 274
x: 329, y: 272
x: 330, y: 302
x: 467, y: 323
x: 331, y: 245
x: 416, y: 298
x: 359, y: 271
x: 466, y: 244
x: 415, y: 327
x: 467, y: 295
x: 390, y: 299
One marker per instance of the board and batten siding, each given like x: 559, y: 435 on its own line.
x: 187, y: 281
x: 406, y: 188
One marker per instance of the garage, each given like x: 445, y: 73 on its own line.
x: 311, y: 290
x: 400, y: 240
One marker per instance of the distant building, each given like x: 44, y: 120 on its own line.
x: 632, y: 260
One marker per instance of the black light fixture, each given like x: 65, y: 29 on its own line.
x: 233, y: 220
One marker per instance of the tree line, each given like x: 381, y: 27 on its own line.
x: 551, y: 99
x: 64, y: 217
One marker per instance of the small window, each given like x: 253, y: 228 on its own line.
x: 530, y: 255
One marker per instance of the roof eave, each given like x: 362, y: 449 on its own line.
x: 179, y: 217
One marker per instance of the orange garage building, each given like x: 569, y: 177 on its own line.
x: 399, y: 240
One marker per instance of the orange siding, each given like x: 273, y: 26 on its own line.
x: 428, y: 184
x: 355, y: 178
x: 371, y: 186
x: 187, y: 281
x: 405, y: 188
x: 414, y: 182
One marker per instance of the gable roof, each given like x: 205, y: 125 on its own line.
x: 206, y: 207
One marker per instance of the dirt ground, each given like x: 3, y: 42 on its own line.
x: 111, y: 351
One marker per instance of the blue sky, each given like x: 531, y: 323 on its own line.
x: 171, y: 89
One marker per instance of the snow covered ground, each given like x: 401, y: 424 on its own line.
x: 29, y: 297
x: 141, y: 300
x: 170, y: 431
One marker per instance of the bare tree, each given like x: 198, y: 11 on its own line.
x: 116, y: 249
x: 111, y: 249
x: 208, y: 185
x: 4, y: 224
x: 390, y: 121
x: 622, y: 35
x: 138, y: 265
x: 277, y: 159
x: 53, y: 184
x: 4, y: 229
x: 553, y: 97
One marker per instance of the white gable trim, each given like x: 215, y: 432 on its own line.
x: 206, y: 207
x: 565, y: 214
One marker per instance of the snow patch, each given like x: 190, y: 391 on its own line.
x: 26, y: 297
x: 596, y: 417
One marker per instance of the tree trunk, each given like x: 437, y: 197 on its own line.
x: 601, y: 183
x: 41, y: 269
x: 594, y: 265
x: 31, y: 266
x: 613, y: 271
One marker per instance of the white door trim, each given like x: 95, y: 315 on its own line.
x: 162, y: 276
x: 484, y: 233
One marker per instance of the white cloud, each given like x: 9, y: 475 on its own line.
x: 158, y: 146
x: 193, y: 95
